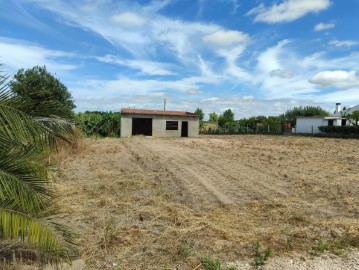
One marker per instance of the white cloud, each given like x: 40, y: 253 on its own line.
x: 16, y: 54
x: 340, y: 79
x: 284, y: 74
x: 146, y: 67
x: 288, y: 10
x: 323, y: 26
x: 343, y: 43
x: 226, y: 38
x: 192, y: 91
x: 128, y: 20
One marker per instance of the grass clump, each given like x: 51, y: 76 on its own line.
x: 214, y: 264
x: 261, y: 255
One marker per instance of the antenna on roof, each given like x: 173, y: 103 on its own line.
x: 164, y: 104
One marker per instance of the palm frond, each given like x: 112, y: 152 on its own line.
x: 49, y: 238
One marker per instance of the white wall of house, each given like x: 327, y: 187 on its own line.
x: 310, y: 124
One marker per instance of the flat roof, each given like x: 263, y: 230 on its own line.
x: 158, y: 112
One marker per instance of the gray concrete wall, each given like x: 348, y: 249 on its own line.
x: 159, y: 125
x: 126, y: 125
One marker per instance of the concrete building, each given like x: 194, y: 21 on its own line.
x: 159, y: 123
x: 312, y: 124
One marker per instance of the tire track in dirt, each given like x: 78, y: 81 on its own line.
x: 180, y: 175
x: 241, y: 183
x: 209, y: 179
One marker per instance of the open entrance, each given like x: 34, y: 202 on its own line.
x: 184, y: 130
x: 142, y: 126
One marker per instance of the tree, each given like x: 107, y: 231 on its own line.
x: 199, y: 112
x: 42, y: 93
x: 226, y: 118
x: 291, y: 115
x: 213, y: 117
x: 353, y: 118
x: 25, y: 195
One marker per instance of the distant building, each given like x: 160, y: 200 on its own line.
x: 311, y: 124
x: 159, y: 123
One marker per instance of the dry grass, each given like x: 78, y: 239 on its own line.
x: 154, y: 203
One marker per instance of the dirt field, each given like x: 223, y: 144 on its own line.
x: 149, y: 203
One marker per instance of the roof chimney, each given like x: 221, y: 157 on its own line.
x: 338, y: 107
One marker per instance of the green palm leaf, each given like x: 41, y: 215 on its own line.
x: 25, y: 193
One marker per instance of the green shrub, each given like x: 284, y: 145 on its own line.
x: 346, y: 130
x: 103, y: 124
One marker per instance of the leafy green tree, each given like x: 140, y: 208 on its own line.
x: 42, y: 93
x: 226, y: 118
x: 25, y: 194
x: 353, y: 118
x: 291, y: 115
x: 199, y: 112
x: 213, y: 117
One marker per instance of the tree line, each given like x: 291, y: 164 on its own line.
x: 226, y: 121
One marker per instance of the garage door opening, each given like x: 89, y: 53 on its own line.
x: 142, y: 126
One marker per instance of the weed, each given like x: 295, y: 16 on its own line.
x: 321, y: 246
x: 185, y: 251
x: 261, y: 256
x: 210, y: 264
x: 109, y: 234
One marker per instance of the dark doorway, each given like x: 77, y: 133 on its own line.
x: 184, y: 131
x: 142, y: 126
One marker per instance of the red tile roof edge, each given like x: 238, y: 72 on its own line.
x: 158, y: 112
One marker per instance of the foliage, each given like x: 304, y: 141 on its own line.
x: 210, y: 264
x: 25, y: 195
x: 199, y: 112
x: 261, y: 256
x: 102, y: 124
x: 291, y: 115
x: 226, y: 118
x: 213, y: 117
x: 346, y: 130
x: 353, y: 118
x: 261, y: 124
x: 42, y: 93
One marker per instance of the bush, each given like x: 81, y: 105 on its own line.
x: 104, y: 124
x: 342, y: 130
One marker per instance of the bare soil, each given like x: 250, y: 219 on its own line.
x: 157, y: 203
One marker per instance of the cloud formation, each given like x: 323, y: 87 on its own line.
x: 226, y: 38
x: 288, y: 10
x: 340, y: 79
x: 284, y: 74
x: 323, y: 26
x: 128, y: 20
x: 343, y: 43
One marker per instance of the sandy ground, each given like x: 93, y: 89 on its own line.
x: 150, y: 203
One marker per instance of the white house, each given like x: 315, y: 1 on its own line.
x: 311, y: 124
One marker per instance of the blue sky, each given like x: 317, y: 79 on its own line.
x: 255, y: 57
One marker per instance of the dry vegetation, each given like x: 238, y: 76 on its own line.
x: 149, y: 203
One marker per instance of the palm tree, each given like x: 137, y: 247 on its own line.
x: 26, y: 198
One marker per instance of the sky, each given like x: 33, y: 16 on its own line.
x: 256, y: 57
